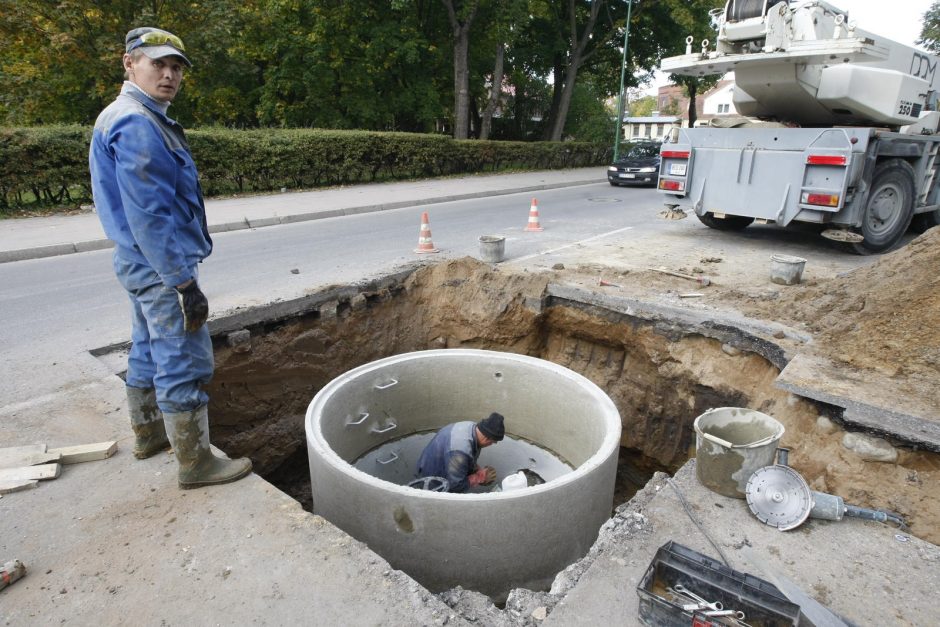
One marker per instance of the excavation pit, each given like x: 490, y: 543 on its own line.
x: 660, y: 370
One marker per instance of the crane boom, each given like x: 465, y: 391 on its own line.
x: 807, y: 63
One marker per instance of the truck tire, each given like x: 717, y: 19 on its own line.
x: 889, y: 209
x: 730, y: 223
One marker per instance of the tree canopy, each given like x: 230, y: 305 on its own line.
x: 930, y: 31
x: 523, y: 69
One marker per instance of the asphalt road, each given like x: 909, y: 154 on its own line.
x: 55, y: 309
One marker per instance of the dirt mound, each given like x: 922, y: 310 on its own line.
x: 883, y: 317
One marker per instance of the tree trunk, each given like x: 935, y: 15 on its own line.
x: 475, y: 118
x: 558, y: 78
x: 576, y: 58
x: 461, y: 83
x: 461, y: 67
x: 564, y: 102
x: 693, y: 113
x: 495, y: 90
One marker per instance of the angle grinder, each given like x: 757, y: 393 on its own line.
x: 780, y: 497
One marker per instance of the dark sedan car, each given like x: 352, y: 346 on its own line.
x: 638, y: 165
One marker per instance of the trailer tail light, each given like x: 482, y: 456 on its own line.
x: 675, y: 154
x: 826, y: 160
x: 822, y: 200
x: 672, y: 186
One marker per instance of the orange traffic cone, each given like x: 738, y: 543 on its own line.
x: 533, y: 224
x: 425, y: 245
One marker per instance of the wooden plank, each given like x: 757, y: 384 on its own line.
x: 30, y: 459
x: 14, y: 570
x: 14, y: 452
x: 86, y: 452
x: 45, y: 471
x: 8, y: 487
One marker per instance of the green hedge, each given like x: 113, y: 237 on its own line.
x: 48, y: 166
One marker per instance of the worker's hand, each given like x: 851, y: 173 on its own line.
x: 490, y: 475
x: 194, y: 304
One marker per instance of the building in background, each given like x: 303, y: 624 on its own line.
x: 673, y: 110
x: 716, y: 102
x: 653, y: 127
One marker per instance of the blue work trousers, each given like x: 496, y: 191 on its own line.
x: 163, y: 355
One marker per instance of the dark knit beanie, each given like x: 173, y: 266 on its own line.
x: 492, y: 427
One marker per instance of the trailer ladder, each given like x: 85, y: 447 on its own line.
x: 930, y: 174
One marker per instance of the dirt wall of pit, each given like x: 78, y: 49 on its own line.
x: 660, y: 378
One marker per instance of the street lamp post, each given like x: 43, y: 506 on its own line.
x: 623, y: 72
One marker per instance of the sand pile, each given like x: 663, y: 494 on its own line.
x: 883, y: 317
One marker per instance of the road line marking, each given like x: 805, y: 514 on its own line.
x: 583, y: 241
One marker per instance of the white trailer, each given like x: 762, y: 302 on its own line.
x: 840, y: 128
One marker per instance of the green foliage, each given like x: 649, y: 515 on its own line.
x: 589, y: 120
x: 671, y: 107
x: 930, y: 32
x: 376, y: 65
x: 381, y: 65
x: 57, y: 60
x: 48, y: 166
x: 256, y: 63
x: 45, y: 166
x: 344, y: 65
x: 692, y: 17
x: 643, y: 107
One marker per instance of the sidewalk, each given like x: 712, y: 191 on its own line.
x: 34, y: 238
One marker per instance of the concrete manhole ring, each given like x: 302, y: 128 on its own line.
x: 530, y: 534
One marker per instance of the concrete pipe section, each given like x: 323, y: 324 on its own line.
x: 366, y: 429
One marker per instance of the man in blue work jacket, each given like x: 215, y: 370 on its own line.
x: 147, y: 195
x: 453, y: 453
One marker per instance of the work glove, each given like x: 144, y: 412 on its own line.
x: 195, y: 306
x: 490, y: 474
x: 483, y: 476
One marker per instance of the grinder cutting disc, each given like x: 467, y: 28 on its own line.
x: 779, y: 496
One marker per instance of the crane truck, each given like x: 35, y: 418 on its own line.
x: 838, y: 128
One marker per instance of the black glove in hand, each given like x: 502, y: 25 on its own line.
x: 195, y: 306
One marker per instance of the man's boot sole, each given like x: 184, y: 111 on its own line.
x: 202, y: 484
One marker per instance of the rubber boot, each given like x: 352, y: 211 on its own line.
x: 198, y: 466
x: 147, y: 422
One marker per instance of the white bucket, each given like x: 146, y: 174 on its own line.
x: 730, y: 444
x: 515, y: 481
x: 492, y: 248
x: 786, y: 270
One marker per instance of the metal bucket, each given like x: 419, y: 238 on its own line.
x: 786, y: 270
x: 730, y: 444
x: 492, y: 248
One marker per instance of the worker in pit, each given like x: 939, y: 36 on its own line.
x: 149, y: 201
x: 453, y: 453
